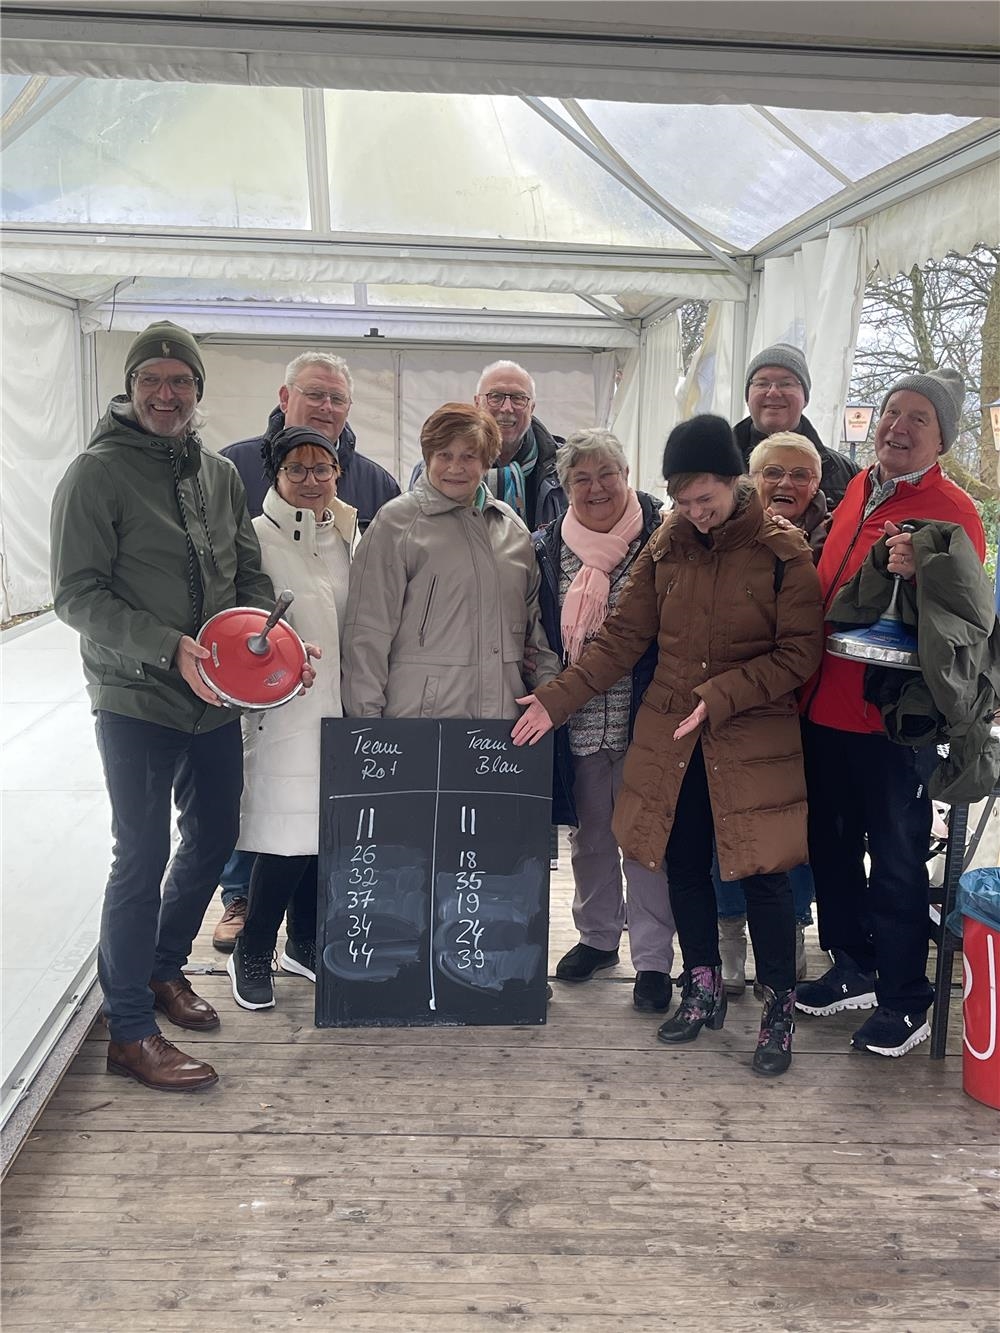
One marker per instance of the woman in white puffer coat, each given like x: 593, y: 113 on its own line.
x: 306, y: 538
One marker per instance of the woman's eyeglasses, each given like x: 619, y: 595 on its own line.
x: 321, y: 471
x: 798, y: 476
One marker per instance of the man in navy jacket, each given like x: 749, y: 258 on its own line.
x: 317, y: 393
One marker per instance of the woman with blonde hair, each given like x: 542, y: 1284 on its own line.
x: 787, y: 471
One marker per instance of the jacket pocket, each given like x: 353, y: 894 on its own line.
x: 116, y: 669
x: 422, y: 632
x: 659, y: 697
x: 428, y: 700
x: 514, y: 641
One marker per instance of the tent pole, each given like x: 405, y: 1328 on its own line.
x: 743, y: 326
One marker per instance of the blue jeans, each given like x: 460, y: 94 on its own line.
x: 731, y: 900
x: 235, y: 878
x: 144, y: 936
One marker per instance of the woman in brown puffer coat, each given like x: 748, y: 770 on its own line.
x: 733, y: 603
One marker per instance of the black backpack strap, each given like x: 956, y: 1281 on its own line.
x: 779, y: 574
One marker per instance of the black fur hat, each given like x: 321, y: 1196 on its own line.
x: 703, y: 444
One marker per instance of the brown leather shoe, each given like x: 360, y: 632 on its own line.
x: 230, y: 926
x: 178, y: 1001
x: 158, y: 1064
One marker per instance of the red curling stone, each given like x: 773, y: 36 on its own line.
x: 242, y: 677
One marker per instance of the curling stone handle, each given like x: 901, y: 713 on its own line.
x: 890, y: 611
x: 257, y: 643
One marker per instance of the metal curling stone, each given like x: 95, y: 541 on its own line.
x: 886, y: 643
x: 256, y: 658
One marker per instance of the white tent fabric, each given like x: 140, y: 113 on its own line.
x: 211, y: 260
x: 707, y: 385
x: 813, y: 300
x: 632, y: 52
x: 645, y: 408
x: 953, y: 217
x: 40, y: 425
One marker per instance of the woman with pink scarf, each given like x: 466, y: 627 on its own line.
x: 585, y: 557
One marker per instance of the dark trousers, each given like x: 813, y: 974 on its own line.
x: 770, y: 913
x: 865, y: 785
x: 280, y: 883
x: 145, y: 935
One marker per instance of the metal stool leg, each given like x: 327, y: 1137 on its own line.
x: 947, y: 942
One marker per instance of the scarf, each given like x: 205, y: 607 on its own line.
x: 508, y: 482
x: 586, y: 605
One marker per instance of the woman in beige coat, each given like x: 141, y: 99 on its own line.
x: 443, y: 595
x: 733, y: 603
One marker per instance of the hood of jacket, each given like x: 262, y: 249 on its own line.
x: 118, y: 426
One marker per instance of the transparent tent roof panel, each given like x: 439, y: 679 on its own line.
x: 96, y: 152
x: 725, y: 167
x: 859, y: 143
x: 123, y: 152
x: 477, y: 167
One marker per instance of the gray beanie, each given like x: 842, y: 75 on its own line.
x: 787, y: 357
x: 945, y: 390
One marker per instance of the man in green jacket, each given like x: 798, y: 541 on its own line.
x: 150, y: 537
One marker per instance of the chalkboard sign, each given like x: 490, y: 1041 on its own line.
x: 433, y: 872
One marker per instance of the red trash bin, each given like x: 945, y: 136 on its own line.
x: 981, y: 1047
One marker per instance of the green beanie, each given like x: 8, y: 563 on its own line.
x: 169, y: 342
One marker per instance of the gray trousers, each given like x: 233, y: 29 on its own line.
x: 598, y: 903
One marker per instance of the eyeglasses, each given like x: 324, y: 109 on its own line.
x: 496, y: 399
x: 607, y: 478
x: 783, y: 386
x: 150, y: 383
x: 321, y: 471
x: 319, y: 396
x: 798, y: 476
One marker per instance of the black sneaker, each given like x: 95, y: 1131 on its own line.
x: 299, y: 956
x: 651, y: 992
x: 889, y: 1032
x: 251, y: 978
x: 844, y: 986
x: 582, y: 962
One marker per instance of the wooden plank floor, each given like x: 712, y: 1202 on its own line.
x: 578, y: 1176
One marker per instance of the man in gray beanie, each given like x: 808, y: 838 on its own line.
x: 150, y: 538
x: 865, y: 789
x: 777, y: 389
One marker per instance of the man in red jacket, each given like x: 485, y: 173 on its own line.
x: 862, y: 785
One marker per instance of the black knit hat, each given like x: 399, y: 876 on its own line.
x: 703, y: 444
x: 278, y: 446
x: 169, y: 342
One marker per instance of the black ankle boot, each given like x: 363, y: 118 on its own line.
x: 774, y: 1042
x: 703, y: 1004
